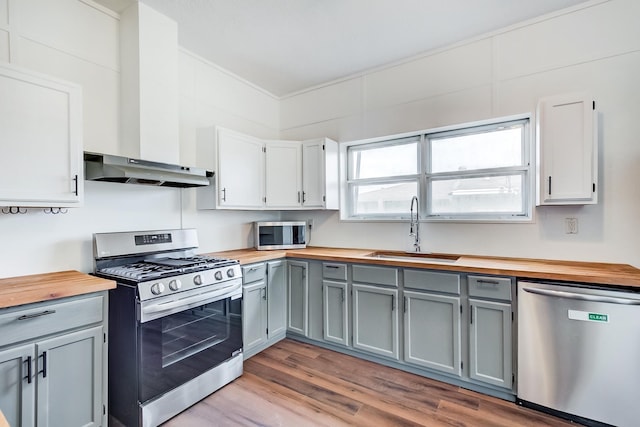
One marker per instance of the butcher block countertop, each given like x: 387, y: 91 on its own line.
x: 620, y: 275
x: 49, y: 286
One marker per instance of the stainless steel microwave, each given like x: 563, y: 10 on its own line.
x: 280, y: 235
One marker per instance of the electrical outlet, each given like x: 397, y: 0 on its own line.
x: 310, y: 223
x: 571, y: 225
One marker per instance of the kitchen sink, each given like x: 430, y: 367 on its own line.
x: 416, y: 257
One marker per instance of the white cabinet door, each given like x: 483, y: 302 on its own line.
x: 41, y: 134
x: 240, y: 174
x: 320, y: 174
x: 70, y: 370
x: 283, y: 179
x: 375, y: 320
x: 18, y: 385
x: 567, y: 150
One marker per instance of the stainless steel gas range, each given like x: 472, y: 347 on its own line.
x: 175, y: 323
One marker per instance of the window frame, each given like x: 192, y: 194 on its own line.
x: 351, y: 184
x: 424, y: 177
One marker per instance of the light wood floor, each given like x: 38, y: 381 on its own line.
x: 296, y: 384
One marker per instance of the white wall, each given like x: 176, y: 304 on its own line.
x: 77, y: 40
x: 594, y: 48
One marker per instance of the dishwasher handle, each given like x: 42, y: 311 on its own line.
x: 582, y: 297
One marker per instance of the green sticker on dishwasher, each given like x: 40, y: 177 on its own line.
x: 588, y: 317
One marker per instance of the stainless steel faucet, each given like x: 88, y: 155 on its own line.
x: 414, y: 225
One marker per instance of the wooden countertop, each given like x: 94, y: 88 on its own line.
x: 619, y: 275
x: 49, y: 286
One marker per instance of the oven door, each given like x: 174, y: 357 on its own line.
x: 184, y: 344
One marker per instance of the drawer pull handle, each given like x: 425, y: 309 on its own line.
x: 34, y: 315
x: 332, y: 266
x: 488, y: 282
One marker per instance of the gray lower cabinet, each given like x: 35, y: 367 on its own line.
x: 335, y: 307
x: 297, y: 297
x: 277, y: 298
x: 57, y: 376
x: 490, y: 349
x: 432, y: 333
x: 490, y: 330
x: 375, y: 320
x: 254, y: 317
x: 264, y: 312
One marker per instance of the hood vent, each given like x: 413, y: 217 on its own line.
x: 104, y: 167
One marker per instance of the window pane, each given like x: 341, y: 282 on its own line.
x: 383, y: 161
x: 491, y: 194
x: 393, y: 198
x: 489, y: 149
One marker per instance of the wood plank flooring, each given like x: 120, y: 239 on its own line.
x: 296, y: 384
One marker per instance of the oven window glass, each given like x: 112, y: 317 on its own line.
x: 179, y: 347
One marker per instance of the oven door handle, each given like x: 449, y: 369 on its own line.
x: 185, y: 302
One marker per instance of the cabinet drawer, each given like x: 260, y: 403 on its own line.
x: 253, y: 273
x: 490, y: 287
x: 432, y: 281
x: 36, y: 320
x: 376, y: 275
x: 334, y: 271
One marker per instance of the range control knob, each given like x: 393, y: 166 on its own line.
x: 157, y: 288
x: 218, y: 275
x: 197, y: 280
x: 230, y: 272
x: 174, y: 285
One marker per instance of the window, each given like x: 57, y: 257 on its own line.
x: 479, y: 172
x: 383, y: 177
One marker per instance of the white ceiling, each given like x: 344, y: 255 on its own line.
x: 285, y: 46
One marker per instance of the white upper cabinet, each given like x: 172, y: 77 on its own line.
x: 566, y: 132
x: 252, y: 173
x: 320, y: 174
x: 238, y: 181
x: 283, y: 179
x: 41, y: 134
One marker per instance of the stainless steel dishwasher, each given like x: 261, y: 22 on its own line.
x: 579, y: 352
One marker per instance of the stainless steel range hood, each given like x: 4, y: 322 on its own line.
x: 105, y: 167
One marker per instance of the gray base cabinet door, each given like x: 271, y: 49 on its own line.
x: 490, y: 343
x: 70, y: 370
x: 297, y: 297
x: 254, y: 315
x: 432, y: 331
x: 335, y: 312
x: 375, y: 320
x: 17, y: 389
x: 277, y: 298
